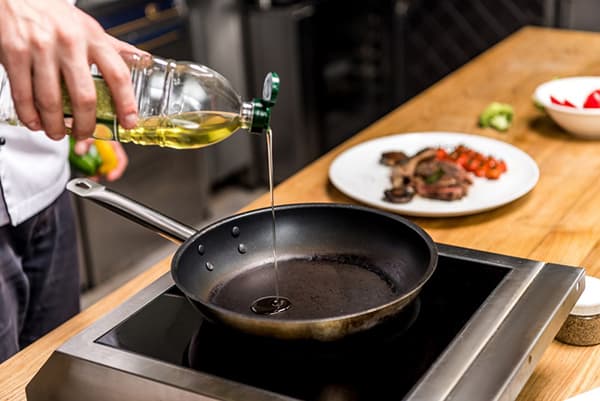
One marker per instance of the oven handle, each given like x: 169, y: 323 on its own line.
x: 152, y: 17
x: 159, y: 41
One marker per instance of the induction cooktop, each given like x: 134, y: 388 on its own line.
x: 475, y: 332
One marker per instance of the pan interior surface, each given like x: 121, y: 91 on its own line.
x: 319, y: 287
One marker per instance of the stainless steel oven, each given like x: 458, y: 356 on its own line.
x: 336, y: 63
x: 159, y: 26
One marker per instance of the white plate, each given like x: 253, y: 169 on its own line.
x: 358, y: 173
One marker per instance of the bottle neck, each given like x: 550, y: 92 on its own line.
x: 246, y: 115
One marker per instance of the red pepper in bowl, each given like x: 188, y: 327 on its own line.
x: 561, y: 103
x: 593, y: 100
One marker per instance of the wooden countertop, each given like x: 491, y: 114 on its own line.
x: 559, y: 221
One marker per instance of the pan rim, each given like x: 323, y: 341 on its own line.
x: 409, y: 295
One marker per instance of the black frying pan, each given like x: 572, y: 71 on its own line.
x: 343, y: 268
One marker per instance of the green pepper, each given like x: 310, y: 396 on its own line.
x: 497, y: 115
x: 87, y: 164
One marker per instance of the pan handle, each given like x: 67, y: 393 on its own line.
x: 130, y: 209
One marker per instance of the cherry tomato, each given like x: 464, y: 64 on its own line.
x: 593, y: 100
x: 462, y: 160
x: 502, y: 166
x: 477, y: 163
x: 441, y: 154
x: 482, y: 171
x: 493, y: 173
x: 473, y: 165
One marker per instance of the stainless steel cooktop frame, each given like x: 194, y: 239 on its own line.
x: 490, y: 359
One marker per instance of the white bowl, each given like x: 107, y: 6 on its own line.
x: 579, y: 121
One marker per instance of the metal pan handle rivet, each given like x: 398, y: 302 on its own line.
x: 83, y: 185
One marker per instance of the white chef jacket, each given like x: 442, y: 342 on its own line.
x: 34, y: 170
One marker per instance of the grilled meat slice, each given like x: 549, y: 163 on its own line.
x: 451, y: 172
x: 441, y: 179
x: 441, y: 192
x: 424, y: 175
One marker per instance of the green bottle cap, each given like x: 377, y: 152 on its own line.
x: 261, y: 112
x: 271, y: 88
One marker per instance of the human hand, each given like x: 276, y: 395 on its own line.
x: 117, y: 166
x: 42, y: 42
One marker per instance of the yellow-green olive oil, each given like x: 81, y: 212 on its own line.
x: 182, y: 131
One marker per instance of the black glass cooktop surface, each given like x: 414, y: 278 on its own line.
x: 383, y: 363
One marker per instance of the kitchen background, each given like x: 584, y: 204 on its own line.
x: 342, y: 63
